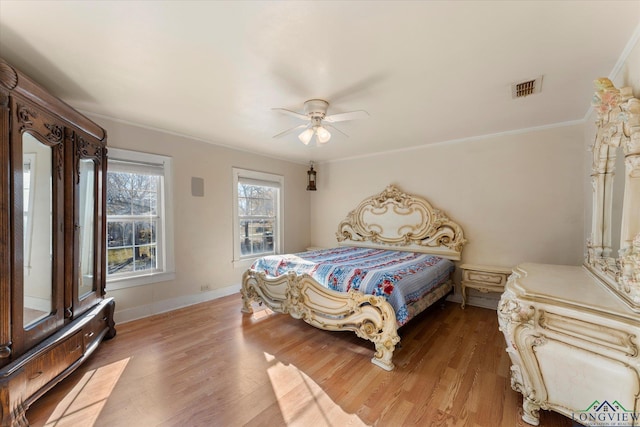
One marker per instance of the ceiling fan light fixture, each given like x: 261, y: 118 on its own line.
x: 315, y: 113
x: 305, y: 137
x: 323, y: 135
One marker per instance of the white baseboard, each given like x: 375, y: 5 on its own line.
x: 135, y: 313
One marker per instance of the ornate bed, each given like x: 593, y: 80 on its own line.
x: 391, y: 220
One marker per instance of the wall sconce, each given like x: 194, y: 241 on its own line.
x: 311, y: 179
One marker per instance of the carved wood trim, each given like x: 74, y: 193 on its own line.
x: 86, y: 149
x: 5, y: 233
x: 607, y: 338
x: 43, y: 129
x: 8, y: 76
x: 19, y: 83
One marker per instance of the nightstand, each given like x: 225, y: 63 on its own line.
x: 483, y: 278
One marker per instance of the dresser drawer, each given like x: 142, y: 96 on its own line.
x: 94, y: 329
x: 485, y: 277
x: 54, y: 361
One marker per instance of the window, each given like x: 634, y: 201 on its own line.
x: 257, y: 213
x: 139, y: 219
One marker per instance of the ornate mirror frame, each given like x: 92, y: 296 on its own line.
x: 618, y: 125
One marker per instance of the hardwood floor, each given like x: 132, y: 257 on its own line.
x: 210, y: 365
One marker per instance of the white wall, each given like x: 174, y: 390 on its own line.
x: 517, y: 197
x: 629, y: 73
x: 203, y: 225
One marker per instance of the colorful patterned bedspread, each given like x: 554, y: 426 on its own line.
x: 401, y: 277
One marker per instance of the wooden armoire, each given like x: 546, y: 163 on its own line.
x: 53, y: 310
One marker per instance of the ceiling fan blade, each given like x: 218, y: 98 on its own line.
x: 351, y: 115
x: 357, y: 89
x: 292, y: 113
x: 335, y: 128
x: 291, y: 130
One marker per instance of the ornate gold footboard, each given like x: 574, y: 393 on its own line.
x: 370, y: 317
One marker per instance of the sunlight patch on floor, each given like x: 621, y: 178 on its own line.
x: 261, y: 314
x: 83, y: 404
x: 302, y: 401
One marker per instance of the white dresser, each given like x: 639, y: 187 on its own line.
x: 573, y: 344
x: 573, y: 332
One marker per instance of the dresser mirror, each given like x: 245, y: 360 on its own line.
x: 617, y: 198
x: 613, y: 249
x: 37, y: 229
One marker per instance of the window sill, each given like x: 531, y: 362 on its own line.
x: 146, y: 279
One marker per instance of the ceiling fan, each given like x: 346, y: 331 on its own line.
x: 315, y: 114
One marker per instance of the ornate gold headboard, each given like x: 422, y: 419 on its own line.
x: 400, y: 221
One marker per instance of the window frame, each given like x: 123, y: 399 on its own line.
x: 164, y: 237
x: 272, y: 180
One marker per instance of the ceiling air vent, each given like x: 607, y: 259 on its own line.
x: 526, y: 88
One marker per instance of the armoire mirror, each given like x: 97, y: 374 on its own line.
x: 37, y: 229
x: 613, y: 250
x: 86, y: 226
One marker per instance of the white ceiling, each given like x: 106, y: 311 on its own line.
x: 425, y: 71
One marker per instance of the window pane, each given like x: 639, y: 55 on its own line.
x: 265, y: 207
x: 119, y: 260
x: 119, y: 233
x: 131, y: 194
x: 118, y: 193
x: 261, y: 207
x: 145, y: 232
x: 115, y: 234
x: 144, y: 202
x: 256, y: 236
x: 145, y: 182
x: 145, y: 258
x: 256, y: 200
